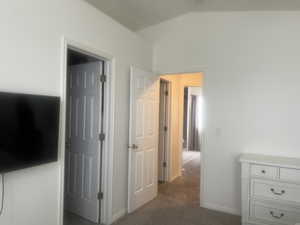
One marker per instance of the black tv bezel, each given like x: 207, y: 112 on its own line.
x: 32, y: 165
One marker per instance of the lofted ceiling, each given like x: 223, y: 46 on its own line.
x: 139, y: 14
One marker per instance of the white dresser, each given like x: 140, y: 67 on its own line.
x: 270, y: 190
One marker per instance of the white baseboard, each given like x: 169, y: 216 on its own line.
x: 175, y: 176
x: 118, y: 215
x: 172, y: 178
x: 220, y: 208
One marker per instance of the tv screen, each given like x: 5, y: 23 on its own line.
x: 29, y: 127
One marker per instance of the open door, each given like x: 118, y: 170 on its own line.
x: 163, y: 146
x: 83, y: 159
x: 143, y: 138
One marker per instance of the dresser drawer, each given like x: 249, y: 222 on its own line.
x: 264, y: 171
x: 292, y: 175
x: 275, y: 191
x: 274, y: 213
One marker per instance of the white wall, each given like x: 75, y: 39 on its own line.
x: 251, y: 87
x: 30, y: 61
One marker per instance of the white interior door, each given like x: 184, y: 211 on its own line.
x: 143, y: 138
x: 83, y: 147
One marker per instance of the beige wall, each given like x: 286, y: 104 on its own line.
x: 178, y: 82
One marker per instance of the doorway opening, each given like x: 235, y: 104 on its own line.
x: 192, y: 124
x: 84, y: 137
x: 156, y: 140
x: 180, y: 138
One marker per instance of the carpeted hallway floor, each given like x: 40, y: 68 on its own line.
x: 176, y: 204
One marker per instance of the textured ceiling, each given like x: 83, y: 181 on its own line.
x: 139, y: 14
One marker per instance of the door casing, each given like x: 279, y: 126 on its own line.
x: 109, y: 112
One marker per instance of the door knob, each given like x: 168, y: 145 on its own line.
x: 134, y: 146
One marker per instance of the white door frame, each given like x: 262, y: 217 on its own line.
x: 107, y: 160
x: 168, y: 136
x: 204, y: 70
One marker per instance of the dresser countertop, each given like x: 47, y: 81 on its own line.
x: 293, y: 163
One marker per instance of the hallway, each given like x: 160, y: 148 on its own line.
x: 178, y: 204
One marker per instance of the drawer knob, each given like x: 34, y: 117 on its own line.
x: 276, y: 216
x: 263, y: 171
x: 277, y: 193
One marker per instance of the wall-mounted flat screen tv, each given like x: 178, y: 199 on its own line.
x: 29, y: 126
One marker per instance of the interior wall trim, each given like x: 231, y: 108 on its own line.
x: 118, y: 215
x: 108, y: 151
x: 221, y: 208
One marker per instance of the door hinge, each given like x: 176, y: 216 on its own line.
x: 100, y: 195
x: 166, y: 93
x: 102, y: 78
x: 101, y: 137
x: 68, y: 144
x: 165, y: 164
x: 165, y: 128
